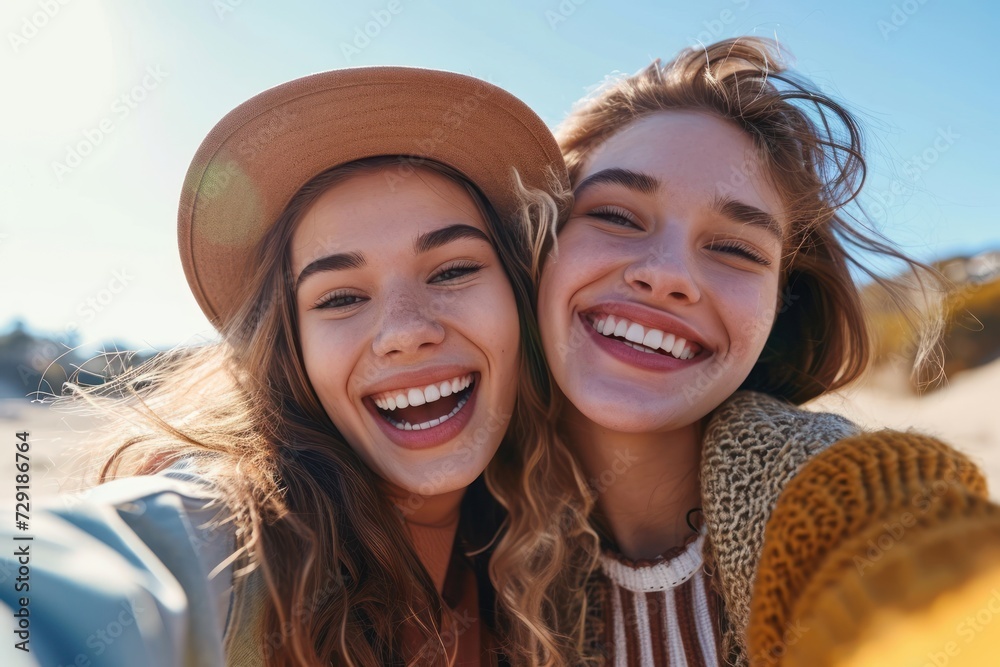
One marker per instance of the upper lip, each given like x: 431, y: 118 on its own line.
x: 418, y: 377
x: 649, y: 318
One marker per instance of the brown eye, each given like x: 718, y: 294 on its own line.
x: 456, y: 271
x: 338, y: 300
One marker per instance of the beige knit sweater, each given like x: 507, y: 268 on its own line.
x: 789, y: 496
x: 754, y: 444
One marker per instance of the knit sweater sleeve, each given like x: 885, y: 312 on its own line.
x: 753, y: 445
x: 129, y: 572
x: 884, y: 545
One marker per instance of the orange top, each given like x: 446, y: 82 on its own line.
x: 463, y: 639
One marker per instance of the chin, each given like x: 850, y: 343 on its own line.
x: 633, y: 415
x: 442, y: 475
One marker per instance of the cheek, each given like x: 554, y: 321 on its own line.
x: 503, y: 323
x: 586, y: 265
x: 564, y: 274
x: 326, y: 355
x: 749, y: 314
x: 489, y: 319
x: 554, y: 296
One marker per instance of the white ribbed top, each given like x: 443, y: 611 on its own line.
x: 661, y: 613
x: 670, y: 573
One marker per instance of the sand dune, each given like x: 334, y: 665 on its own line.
x: 965, y: 414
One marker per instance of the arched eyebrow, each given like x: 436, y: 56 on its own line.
x: 423, y: 243
x: 738, y: 211
x: 633, y: 180
x: 338, y: 262
x: 649, y: 185
x: 439, y: 237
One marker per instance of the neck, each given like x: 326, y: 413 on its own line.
x: 645, y: 482
x: 430, y: 511
x: 431, y: 523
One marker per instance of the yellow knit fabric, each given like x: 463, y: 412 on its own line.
x: 875, y: 553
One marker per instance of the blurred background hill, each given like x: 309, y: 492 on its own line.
x: 954, y: 396
x: 35, y: 364
x: 971, y: 327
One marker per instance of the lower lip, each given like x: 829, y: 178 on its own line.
x: 434, y: 436
x: 633, y: 357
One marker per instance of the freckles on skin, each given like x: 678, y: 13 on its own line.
x: 663, y: 236
x: 406, y: 310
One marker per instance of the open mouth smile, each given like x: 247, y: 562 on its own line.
x: 426, y: 415
x: 643, y: 339
x: 419, y: 408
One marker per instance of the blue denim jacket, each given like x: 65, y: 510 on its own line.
x: 121, y: 575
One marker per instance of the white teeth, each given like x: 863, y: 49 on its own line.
x: 636, y: 346
x: 432, y: 393
x: 407, y: 426
x: 634, y: 333
x: 678, y: 347
x: 640, y: 338
x: 415, y: 397
x: 404, y: 398
x: 653, y: 338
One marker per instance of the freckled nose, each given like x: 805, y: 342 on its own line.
x: 406, y: 325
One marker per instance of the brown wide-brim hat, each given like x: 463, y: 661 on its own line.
x: 263, y: 151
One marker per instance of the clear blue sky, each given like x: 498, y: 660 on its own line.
x: 917, y: 72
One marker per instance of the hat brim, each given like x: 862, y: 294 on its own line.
x: 263, y: 151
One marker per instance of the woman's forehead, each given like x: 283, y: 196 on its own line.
x: 368, y: 213
x: 692, y: 153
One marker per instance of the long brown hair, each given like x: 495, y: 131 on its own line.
x: 341, y: 574
x: 811, y: 150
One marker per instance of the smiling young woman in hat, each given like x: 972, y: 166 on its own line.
x: 366, y: 243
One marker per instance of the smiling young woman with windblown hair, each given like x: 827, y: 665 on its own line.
x: 699, y: 291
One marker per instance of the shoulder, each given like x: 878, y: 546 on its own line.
x: 754, y: 444
x: 136, y: 571
x: 753, y: 419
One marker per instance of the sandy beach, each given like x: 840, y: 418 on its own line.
x: 964, y: 414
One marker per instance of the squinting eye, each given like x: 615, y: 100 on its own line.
x: 338, y: 300
x: 614, y: 215
x: 456, y: 271
x: 741, y: 250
